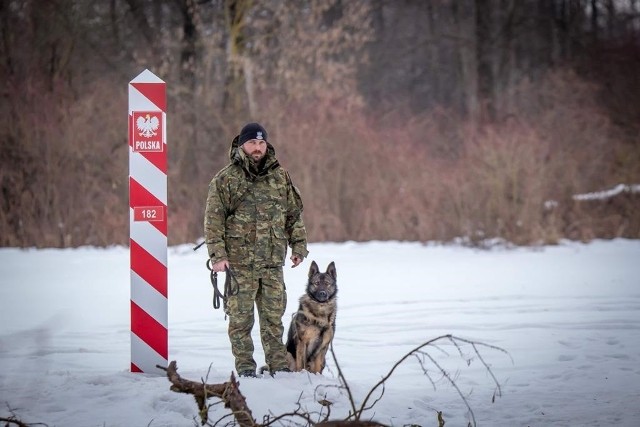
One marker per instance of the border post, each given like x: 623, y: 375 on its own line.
x: 148, y: 213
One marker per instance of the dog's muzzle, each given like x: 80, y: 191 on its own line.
x: 322, y: 296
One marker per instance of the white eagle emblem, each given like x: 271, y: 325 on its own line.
x: 259, y: 135
x: 148, y: 126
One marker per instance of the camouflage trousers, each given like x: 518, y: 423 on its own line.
x: 263, y: 288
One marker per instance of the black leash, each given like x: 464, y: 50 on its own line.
x: 229, y: 290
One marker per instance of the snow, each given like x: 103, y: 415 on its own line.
x: 607, y: 194
x: 568, y: 317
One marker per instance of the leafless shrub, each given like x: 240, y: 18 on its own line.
x: 430, y: 176
x: 429, y: 365
x: 515, y: 179
x: 229, y: 392
x: 498, y: 186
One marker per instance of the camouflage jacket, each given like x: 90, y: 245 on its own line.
x: 252, y: 215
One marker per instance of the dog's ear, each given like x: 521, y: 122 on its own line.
x: 313, y: 269
x: 331, y: 270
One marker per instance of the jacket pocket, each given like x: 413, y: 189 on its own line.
x: 235, y: 241
x: 278, y: 246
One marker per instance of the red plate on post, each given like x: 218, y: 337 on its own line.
x: 148, y: 213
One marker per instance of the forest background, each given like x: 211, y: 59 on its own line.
x: 422, y: 120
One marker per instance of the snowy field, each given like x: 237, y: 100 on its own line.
x: 568, y: 316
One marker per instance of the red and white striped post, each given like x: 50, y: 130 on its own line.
x: 148, y: 222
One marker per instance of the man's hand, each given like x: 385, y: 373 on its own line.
x: 220, y: 266
x: 296, y: 260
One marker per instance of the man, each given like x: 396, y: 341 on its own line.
x: 253, y: 212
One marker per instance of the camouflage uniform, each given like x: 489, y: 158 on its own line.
x: 251, y: 215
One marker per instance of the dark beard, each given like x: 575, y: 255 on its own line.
x: 257, y: 165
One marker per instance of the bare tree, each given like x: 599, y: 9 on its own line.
x: 326, y: 72
x: 237, y: 96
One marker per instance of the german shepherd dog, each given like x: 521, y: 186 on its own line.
x: 314, y: 324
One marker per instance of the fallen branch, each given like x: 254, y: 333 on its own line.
x: 228, y: 392
x: 14, y: 420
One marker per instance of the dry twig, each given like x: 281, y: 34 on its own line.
x: 228, y: 392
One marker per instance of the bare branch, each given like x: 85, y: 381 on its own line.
x: 398, y: 363
x: 14, y: 420
x: 455, y: 386
x: 343, y: 380
x: 227, y: 392
x: 230, y: 394
x: 419, y: 354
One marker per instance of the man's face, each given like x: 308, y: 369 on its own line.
x: 256, y: 148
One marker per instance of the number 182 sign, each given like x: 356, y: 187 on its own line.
x: 148, y: 213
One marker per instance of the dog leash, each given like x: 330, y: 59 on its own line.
x: 228, y: 289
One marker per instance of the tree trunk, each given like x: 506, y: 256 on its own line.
x: 464, y: 20
x: 484, y: 59
x: 235, y: 98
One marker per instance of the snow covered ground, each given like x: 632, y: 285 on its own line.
x: 568, y: 316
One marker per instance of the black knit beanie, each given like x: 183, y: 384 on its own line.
x: 252, y: 131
